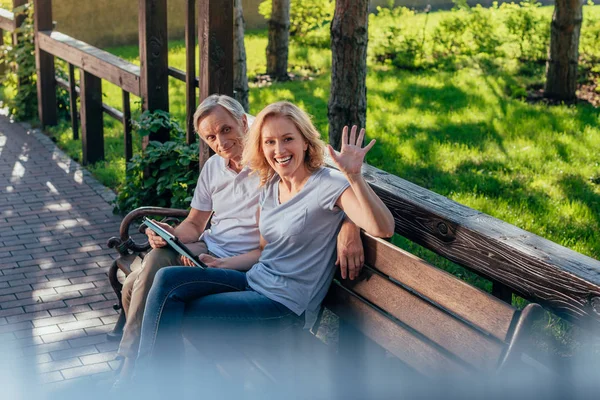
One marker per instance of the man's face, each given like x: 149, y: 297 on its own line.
x: 223, y: 133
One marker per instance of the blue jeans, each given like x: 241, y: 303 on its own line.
x: 198, y: 298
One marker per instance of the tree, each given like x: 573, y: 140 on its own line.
x: 348, y: 97
x: 240, y: 76
x: 561, y: 67
x: 279, y: 37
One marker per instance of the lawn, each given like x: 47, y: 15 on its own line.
x: 465, y: 133
x: 458, y: 133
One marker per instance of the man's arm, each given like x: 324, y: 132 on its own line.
x: 350, y: 253
x: 188, y: 231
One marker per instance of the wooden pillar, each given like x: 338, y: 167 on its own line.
x: 2, y: 65
x: 92, y: 130
x: 128, y: 144
x: 73, y: 102
x: 190, y: 70
x: 502, y: 292
x: 215, y: 36
x: 154, y: 65
x: 44, y: 64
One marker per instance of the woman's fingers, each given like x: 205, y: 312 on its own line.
x: 353, y: 136
x: 344, y: 136
x: 361, y: 137
x: 370, y: 145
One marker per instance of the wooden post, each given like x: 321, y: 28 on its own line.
x: 154, y: 67
x: 92, y: 130
x: 215, y: 36
x: 190, y: 70
x: 44, y: 63
x: 2, y: 65
x: 127, y: 127
x: 502, y: 292
x: 73, y: 102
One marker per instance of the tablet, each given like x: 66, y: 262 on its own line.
x: 173, y: 242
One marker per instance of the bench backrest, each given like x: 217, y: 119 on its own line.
x: 426, y: 317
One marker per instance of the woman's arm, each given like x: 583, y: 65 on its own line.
x: 243, y: 262
x: 359, y: 202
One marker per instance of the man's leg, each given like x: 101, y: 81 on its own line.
x: 135, y: 296
x: 128, y: 289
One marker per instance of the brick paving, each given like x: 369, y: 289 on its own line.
x: 55, y: 299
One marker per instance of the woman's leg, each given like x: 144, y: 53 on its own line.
x: 173, y: 288
x: 204, y: 299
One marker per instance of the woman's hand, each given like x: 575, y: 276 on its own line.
x: 352, y: 155
x: 211, y: 261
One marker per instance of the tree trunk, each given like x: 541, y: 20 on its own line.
x: 240, y: 76
x: 561, y: 67
x: 279, y: 37
x: 348, y: 97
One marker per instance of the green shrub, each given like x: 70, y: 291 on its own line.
x: 392, y: 41
x: 19, y: 63
x: 589, y: 45
x: 450, y: 37
x: 528, y: 28
x: 483, y: 31
x: 172, y: 168
x: 309, y: 20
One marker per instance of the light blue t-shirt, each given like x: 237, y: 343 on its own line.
x: 298, y: 263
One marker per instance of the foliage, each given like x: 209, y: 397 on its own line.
x: 529, y: 29
x: 589, y: 44
x: 172, y: 168
x: 392, y: 41
x: 19, y: 68
x: 309, y: 20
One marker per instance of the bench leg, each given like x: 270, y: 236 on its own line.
x: 117, y: 331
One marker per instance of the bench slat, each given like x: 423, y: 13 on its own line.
x: 472, y: 346
x: 462, y: 299
x: 402, y: 343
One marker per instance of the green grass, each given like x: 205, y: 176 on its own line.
x: 459, y: 134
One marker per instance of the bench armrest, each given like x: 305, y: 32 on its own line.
x: 124, y: 243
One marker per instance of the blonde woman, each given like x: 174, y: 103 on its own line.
x: 301, y: 207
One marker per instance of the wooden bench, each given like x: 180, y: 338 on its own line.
x: 402, y: 314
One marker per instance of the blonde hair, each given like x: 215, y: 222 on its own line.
x: 253, y: 154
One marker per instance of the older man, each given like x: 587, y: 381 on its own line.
x: 227, y: 191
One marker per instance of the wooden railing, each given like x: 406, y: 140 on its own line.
x: 149, y: 80
x: 560, y: 279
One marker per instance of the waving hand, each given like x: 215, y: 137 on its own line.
x: 350, y: 159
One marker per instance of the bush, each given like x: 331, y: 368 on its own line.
x: 529, y: 29
x: 392, y: 41
x: 589, y: 44
x: 19, y: 63
x: 172, y: 166
x: 309, y: 20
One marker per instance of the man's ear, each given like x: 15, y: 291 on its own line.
x: 245, y: 123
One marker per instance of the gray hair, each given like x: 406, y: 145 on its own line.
x: 230, y: 104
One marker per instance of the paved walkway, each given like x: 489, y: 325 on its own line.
x: 55, y: 298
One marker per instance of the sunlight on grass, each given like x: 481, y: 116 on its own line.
x: 459, y: 134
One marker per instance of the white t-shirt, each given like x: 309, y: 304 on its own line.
x: 298, y: 263
x: 234, y: 199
